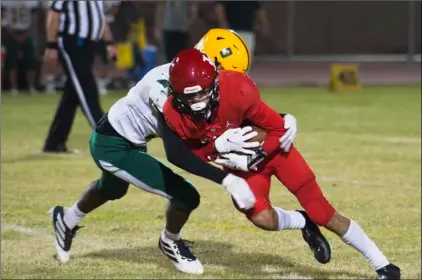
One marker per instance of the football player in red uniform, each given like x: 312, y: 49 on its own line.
x: 203, y: 107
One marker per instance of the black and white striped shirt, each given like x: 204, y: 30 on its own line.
x: 84, y: 19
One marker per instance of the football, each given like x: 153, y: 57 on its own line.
x: 261, y: 134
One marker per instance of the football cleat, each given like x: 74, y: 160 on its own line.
x: 64, y: 235
x: 316, y: 241
x: 389, y: 271
x: 180, y: 255
x: 60, y: 149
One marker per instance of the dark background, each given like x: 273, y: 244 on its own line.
x: 327, y: 27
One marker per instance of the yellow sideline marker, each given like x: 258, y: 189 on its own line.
x: 344, y: 77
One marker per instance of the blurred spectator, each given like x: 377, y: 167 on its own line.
x: 128, y: 13
x: 110, y: 8
x: 125, y: 31
x: 173, y: 19
x: 39, y: 43
x: 18, y: 20
x: 241, y: 17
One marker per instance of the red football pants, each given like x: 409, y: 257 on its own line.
x: 292, y: 171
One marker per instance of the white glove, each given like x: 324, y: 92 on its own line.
x: 233, y: 161
x: 234, y: 140
x: 287, y: 139
x: 240, y: 191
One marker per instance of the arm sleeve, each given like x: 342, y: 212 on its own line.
x: 57, y: 5
x: 204, y: 152
x: 178, y: 154
x: 263, y: 116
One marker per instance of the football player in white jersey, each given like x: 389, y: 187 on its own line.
x: 118, y: 147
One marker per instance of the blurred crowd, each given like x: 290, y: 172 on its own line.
x: 146, y: 34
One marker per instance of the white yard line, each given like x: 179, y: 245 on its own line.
x: 396, y: 139
x: 353, y: 182
x: 43, y: 233
x: 26, y: 230
x: 401, y: 140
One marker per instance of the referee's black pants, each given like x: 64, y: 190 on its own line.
x: 77, y: 57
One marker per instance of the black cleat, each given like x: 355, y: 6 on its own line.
x: 180, y: 254
x: 64, y: 235
x: 316, y: 241
x: 389, y: 271
x: 60, y: 149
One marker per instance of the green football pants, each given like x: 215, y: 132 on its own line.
x: 123, y: 164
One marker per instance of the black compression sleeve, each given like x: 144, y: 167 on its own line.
x: 178, y: 154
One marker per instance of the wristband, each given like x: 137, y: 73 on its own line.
x: 51, y: 45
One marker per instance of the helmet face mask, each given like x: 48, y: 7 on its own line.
x: 199, y: 105
x: 194, y: 84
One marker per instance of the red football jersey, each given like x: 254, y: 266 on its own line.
x: 239, y: 101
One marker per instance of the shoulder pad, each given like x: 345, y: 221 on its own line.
x: 158, y: 94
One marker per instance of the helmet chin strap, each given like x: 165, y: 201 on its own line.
x: 198, y: 106
x: 201, y: 106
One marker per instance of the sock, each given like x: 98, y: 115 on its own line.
x: 172, y: 236
x: 357, y: 238
x: 288, y: 219
x: 73, y: 216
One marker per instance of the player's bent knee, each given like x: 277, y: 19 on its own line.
x: 112, y: 192
x: 189, y: 200
x: 261, y: 215
x: 195, y: 200
x: 315, y: 204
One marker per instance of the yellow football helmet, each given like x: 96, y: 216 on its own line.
x: 226, y: 48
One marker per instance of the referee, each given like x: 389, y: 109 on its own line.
x: 73, y: 30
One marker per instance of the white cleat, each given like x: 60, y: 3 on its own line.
x: 180, y: 255
x: 63, y: 234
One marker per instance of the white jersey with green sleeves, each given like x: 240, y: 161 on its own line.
x: 135, y: 116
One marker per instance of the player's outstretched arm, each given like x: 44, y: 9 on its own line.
x: 178, y: 154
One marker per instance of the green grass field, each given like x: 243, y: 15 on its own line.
x: 365, y: 148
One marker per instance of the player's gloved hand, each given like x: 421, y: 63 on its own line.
x: 290, y: 124
x: 235, y: 140
x: 240, y: 191
x: 234, y: 161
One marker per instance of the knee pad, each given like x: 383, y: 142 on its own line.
x: 189, y: 200
x: 110, y: 192
x: 314, y: 202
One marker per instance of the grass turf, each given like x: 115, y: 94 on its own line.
x: 365, y: 148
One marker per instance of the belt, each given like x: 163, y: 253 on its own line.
x: 105, y: 128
